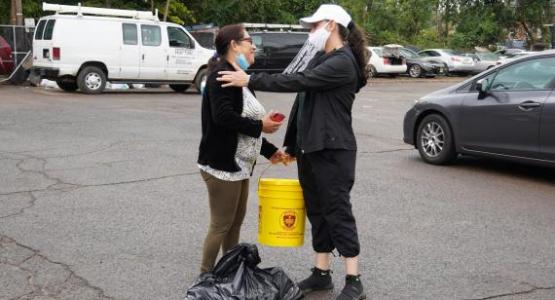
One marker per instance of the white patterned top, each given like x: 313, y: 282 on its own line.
x: 248, y: 148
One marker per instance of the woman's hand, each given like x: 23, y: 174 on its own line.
x: 268, y: 125
x: 287, y: 159
x: 282, y: 157
x: 233, y: 78
x: 277, y: 157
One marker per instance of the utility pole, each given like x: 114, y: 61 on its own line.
x: 18, y: 12
x: 167, y: 10
x: 13, y: 15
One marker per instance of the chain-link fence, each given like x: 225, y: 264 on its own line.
x: 15, y: 43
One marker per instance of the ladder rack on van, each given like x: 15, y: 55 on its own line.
x: 280, y: 27
x: 81, y: 10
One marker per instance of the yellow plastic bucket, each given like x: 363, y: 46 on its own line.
x: 281, y: 214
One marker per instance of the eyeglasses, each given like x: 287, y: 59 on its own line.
x: 249, y: 40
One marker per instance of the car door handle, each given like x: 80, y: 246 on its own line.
x: 143, y: 57
x: 529, y: 105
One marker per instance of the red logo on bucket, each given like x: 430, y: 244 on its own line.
x: 289, y: 220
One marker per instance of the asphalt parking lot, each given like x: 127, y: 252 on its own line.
x: 100, y: 198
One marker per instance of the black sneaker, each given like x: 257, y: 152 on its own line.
x: 353, y: 289
x: 320, y: 280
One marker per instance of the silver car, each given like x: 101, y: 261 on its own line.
x: 483, y: 61
x: 454, y: 61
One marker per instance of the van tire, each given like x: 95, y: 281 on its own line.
x: 68, y: 85
x: 91, y: 80
x: 201, y: 77
x: 180, y: 88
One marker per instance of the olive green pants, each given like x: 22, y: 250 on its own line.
x: 228, y: 206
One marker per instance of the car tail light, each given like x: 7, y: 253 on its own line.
x: 56, y: 53
x: 386, y: 61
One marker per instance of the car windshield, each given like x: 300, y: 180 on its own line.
x: 378, y: 51
x: 408, y: 54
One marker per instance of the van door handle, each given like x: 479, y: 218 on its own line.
x: 143, y: 57
x: 529, y: 105
x: 167, y: 58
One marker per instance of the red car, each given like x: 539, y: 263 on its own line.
x: 6, y: 57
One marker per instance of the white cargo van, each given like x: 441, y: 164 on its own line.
x: 85, y: 47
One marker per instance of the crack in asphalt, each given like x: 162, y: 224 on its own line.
x: 42, y: 290
x: 64, y: 186
x: 28, y: 156
x: 530, y: 291
x: 23, y: 209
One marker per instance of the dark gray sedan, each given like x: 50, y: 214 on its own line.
x: 507, y: 112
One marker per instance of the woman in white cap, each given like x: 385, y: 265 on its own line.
x: 327, y: 73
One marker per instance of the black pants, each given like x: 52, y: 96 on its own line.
x: 327, y: 178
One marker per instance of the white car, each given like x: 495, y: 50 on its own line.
x: 452, y: 60
x: 386, y: 60
x: 84, y: 48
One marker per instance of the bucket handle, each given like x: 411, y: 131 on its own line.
x: 264, y: 172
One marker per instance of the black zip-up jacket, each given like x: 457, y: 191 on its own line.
x: 222, y: 122
x: 330, y: 81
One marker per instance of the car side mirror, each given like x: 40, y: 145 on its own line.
x: 482, y: 86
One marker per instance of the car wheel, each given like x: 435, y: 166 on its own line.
x: 372, y: 72
x: 68, y: 85
x: 180, y: 88
x: 91, y: 80
x: 415, y: 71
x: 435, y: 140
x: 200, y: 81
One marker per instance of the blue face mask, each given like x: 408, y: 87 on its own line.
x: 242, y: 61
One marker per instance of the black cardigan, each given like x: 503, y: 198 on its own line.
x: 222, y: 121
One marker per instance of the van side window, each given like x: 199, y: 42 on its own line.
x: 49, y: 30
x: 130, y: 34
x: 40, y: 30
x: 178, y: 38
x: 151, y: 35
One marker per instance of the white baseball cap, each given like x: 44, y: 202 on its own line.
x: 328, y: 12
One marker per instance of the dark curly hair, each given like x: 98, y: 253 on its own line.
x: 358, y: 44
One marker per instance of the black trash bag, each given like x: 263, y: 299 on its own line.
x: 236, y: 276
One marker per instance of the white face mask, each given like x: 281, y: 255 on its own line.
x: 316, y: 42
x: 319, y: 37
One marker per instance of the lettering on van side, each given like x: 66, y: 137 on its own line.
x: 183, y: 61
x: 183, y: 51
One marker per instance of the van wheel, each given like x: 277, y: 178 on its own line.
x: 68, y: 85
x: 91, y: 80
x: 200, y: 81
x: 180, y: 88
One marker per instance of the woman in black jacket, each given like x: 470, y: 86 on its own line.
x: 232, y: 123
x: 321, y: 137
